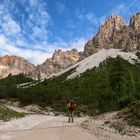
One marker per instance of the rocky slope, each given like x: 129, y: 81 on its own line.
x: 95, y: 59
x: 59, y: 61
x: 115, y: 33
x: 14, y: 65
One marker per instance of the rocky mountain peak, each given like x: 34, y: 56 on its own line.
x: 114, y: 22
x: 135, y: 21
x: 59, y: 61
x: 60, y: 55
x: 107, y: 31
x: 114, y: 33
x: 14, y: 65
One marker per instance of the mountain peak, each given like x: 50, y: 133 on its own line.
x: 114, y: 22
x: 135, y: 21
x: 14, y: 65
x: 116, y: 34
x: 59, y: 61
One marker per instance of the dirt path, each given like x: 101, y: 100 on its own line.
x: 55, y: 129
x: 41, y: 127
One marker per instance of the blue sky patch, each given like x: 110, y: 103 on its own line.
x: 33, y: 29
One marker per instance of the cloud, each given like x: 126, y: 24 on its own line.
x: 126, y: 9
x: 42, y: 51
x: 24, y: 24
x: 24, y: 30
x: 61, y: 7
x: 38, y: 18
x: 119, y: 8
x: 9, y: 26
x: 35, y: 56
x: 87, y: 17
x: 77, y: 43
x: 34, y: 2
x: 92, y: 18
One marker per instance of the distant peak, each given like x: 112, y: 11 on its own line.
x: 113, y: 22
x: 116, y: 18
x: 135, y: 21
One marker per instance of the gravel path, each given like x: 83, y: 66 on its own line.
x: 41, y: 127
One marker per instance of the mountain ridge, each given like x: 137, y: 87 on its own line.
x: 14, y: 65
x: 114, y: 33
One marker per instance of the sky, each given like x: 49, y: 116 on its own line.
x: 34, y: 29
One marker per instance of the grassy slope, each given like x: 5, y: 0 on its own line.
x: 132, y: 113
x: 6, y: 114
x: 15, y: 79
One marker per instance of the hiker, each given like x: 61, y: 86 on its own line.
x: 72, y: 106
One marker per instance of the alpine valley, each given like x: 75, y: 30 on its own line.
x: 104, y: 77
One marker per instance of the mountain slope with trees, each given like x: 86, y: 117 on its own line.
x: 111, y: 86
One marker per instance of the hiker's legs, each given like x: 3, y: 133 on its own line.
x: 72, y: 115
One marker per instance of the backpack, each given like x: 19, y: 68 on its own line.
x: 72, y: 106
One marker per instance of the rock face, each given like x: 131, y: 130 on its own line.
x: 116, y: 34
x: 14, y: 65
x: 135, y: 22
x: 59, y: 61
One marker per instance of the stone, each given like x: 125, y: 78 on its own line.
x: 114, y: 33
x: 14, y: 65
x: 59, y: 61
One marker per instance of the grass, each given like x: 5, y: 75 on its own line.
x: 6, y: 114
x: 132, y: 113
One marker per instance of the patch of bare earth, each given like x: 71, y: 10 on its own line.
x: 111, y: 126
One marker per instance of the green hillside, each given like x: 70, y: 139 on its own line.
x: 8, y: 85
x: 112, y: 86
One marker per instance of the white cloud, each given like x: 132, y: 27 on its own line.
x: 119, y: 8
x: 77, y: 43
x: 36, y: 26
x: 87, y: 17
x: 92, y: 18
x: 38, y: 21
x: 38, y: 32
x: 20, y: 42
x: 42, y: 51
x: 124, y: 8
x: 35, y: 56
x: 127, y: 9
x: 9, y: 26
x: 34, y: 2
x: 61, y: 7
